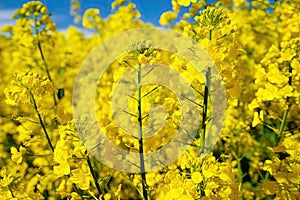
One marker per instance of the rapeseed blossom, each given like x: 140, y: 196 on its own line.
x: 254, y: 44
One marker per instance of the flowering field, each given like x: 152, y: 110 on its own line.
x: 45, y: 150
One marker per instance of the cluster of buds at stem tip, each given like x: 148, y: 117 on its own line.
x: 143, y: 51
x: 36, y: 13
x: 211, y: 17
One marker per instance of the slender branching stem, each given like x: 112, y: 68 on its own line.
x: 44, y: 127
x: 93, y: 174
x: 140, y: 133
x: 239, y: 166
x: 210, y: 34
x: 41, y: 120
x: 205, y: 103
x: 204, y: 109
x: 43, y: 56
x: 11, y: 192
x: 286, y: 112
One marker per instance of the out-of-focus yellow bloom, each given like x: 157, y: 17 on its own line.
x: 209, y: 171
x: 62, y: 169
x: 81, y: 176
x: 175, y: 6
x: 107, y: 196
x: 185, y: 2
x: 75, y: 196
x: 258, y: 118
x: 175, y: 193
x: 238, y: 3
x: 167, y: 17
x: 91, y: 18
x: 117, y: 3
x: 5, y: 179
x: 16, y: 155
x: 296, y: 66
x: 270, y: 187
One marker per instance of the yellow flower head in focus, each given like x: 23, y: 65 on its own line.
x: 211, y: 17
x: 197, y: 177
x: 143, y: 51
x: 36, y: 13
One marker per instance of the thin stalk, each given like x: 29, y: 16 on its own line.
x: 93, y: 174
x: 210, y: 35
x: 240, y: 171
x: 204, y: 110
x: 140, y: 134
x: 41, y: 121
x: 286, y: 112
x: 205, y: 103
x: 44, y: 127
x: 11, y: 192
x: 282, y: 125
x: 43, y: 56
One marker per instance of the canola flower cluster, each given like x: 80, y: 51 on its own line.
x: 255, y: 46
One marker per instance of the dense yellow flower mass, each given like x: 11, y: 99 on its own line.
x: 256, y: 48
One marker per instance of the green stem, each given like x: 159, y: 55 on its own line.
x: 210, y: 35
x: 43, y: 56
x: 44, y: 127
x: 41, y: 121
x: 205, y: 104
x: 11, y: 192
x: 93, y: 174
x: 282, y: 125
x: 266, y: 176
x: 286, y: 112
x: 239, y: 167
x: 140, y: 134
x: 204, y: 110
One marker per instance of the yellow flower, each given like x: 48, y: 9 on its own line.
x: 16, y: 155
x: 270, y: 187
x: 43, y: 10
x: 197, y: 177
x: 276, y: 77
x: 167, y: 17
x: 91, y: 18
x: 268, y: 94
x: 107, y: 196
x: 257, y: 118
x: 186, y: 197
x: 175, y: 6
x: 295, y: 66
x: 62, y: 169
x: 5, y: 179
x: 209, y: 171
x: 75, y: 196
x: 238, y: 3
x: 175, y: 193
x: 81, y: 177
x: 185, y: 2
x: 117, y: 3
x: 271, y: 167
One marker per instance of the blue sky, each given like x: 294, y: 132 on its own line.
x: 150, y: 10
